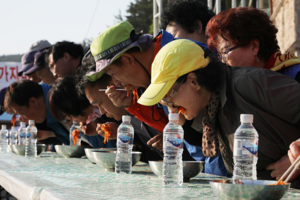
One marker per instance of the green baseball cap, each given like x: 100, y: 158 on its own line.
x: 112, y: 43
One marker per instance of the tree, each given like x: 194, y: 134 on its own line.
x: 140, y: 14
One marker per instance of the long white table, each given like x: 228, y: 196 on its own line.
x: 57, y: 178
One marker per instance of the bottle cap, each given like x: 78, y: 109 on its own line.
x: 13, y: 128
x: 173, y: 116
x: 246, y: 118
x: 126, y: 118
x: 31, y: 122
x: 3, y: 126
x: 23, y: 124
x: 75, y: 123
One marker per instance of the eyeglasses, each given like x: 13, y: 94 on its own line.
x: 173, y: 92
x: 223, y: 56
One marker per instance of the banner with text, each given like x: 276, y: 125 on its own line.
x: 9, y: 73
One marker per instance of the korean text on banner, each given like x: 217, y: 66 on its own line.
x: 9, y: 73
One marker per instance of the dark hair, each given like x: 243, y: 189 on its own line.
x: 58, y: 50
x: 64, y: 99
x: 208, y: 77
x: 242, y: 25
x: 186, y: 13
x: 20, y: 92
x: 89, y: 64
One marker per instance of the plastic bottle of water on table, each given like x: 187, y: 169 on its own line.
x: 245, y: 150
x: 13, y: 136
x: 31, y: 140
x: 124, y: 146
x: 172, y: 148
x: 4, y: 139
x: 22, y: 134
x: 75, y: 126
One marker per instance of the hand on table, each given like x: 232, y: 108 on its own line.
x: 114, y: 130
x: 41, y: 135
x: 89, y: 129
x: 279, y: 167
x: 157, y: 141
x: 294, y: 151
x: 119, y: 98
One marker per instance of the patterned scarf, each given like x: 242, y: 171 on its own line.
x: 210, y: 141
x: 279, y: 61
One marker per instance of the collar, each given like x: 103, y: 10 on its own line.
x: 165, y: 37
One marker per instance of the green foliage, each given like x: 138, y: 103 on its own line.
x: 11, y: 58
x: 140, y: 15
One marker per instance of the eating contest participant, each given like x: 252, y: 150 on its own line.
x: 127, y: 58
x: 180, y: 69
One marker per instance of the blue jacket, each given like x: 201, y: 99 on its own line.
x: 291, y: 71
x: 213, y: 165
x: 61, y: 133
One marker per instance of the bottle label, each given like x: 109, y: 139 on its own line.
x: 243, y: 147
x: 175, y: 142
x: 124, y: 138
x: 28, y: 135
x: 22, y: 135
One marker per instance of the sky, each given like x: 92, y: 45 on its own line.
x: 24, y: 22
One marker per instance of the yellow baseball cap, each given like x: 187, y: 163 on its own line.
x: 175, y: 59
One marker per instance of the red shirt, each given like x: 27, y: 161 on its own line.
x: 151, y: 115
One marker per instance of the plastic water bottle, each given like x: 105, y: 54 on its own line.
x: 245, y: 150
x: 124, y: 146
x: 75, y: 126
x: 172, y: 148
x: 3, y: 139
x: 22, y: 134
x: 31, y: 140
x: 13, y: 136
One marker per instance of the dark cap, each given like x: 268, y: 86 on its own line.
x: 39, y: 62
x: 2, y: 95
x: 27, y: 61
x: 40, y: 45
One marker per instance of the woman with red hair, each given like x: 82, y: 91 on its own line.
x: 247, y: 37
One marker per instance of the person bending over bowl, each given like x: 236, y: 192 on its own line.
x: 187, y: 80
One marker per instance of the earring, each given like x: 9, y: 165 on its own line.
x: 257, y: 59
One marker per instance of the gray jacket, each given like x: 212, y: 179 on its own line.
x: 273, y: 99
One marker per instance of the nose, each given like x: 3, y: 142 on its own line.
x: 116, y: 81
x: 102, y: 111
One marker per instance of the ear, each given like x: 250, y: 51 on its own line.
x: 200, y: 27
x: 255, y: 44
x: 67, y: 56
x: 192, y: 81
x: 128, y: 58
x: 33, y: 102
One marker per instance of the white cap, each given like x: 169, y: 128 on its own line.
x: 40, y: 45
x: 246, y: 118
x: 23, y: 124
x: 13, y: 128
x: 31, y: 122
x: 126, y: 118
x: 173, y: 116
x: 3, y: 126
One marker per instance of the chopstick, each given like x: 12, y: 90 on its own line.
x: 293, y: 167
x: 103, y: 90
